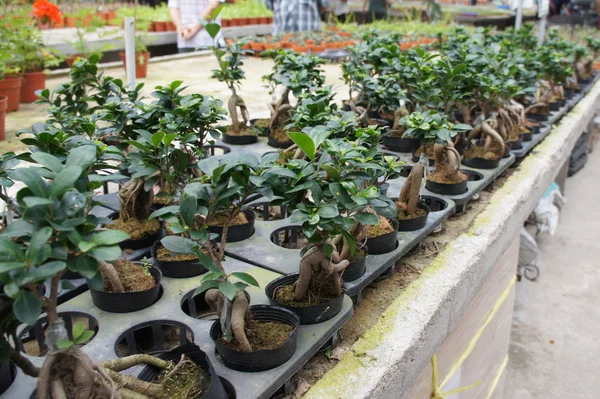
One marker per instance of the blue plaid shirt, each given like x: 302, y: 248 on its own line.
x: 296, y: 15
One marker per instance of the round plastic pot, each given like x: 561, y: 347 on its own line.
x: 516, y: 145
x: 384, y: 243
x: 527, y: 136
x: 11, y: 88
x: 240, y: 232
x: 400, y: 144
x: 278, y: 144
x: 8, y: 372
x: 177, y: 269
x: 306, y: 314
x: 141, y: 68
x: 584, y: 81
x: 216, y: 389
x: 239, y: 140
x: 264, y: 359
x: 145, y: 242
x: 3, y: 105
x: 554, y: 106
x: 415, y: 158
x: 480, y: 163
x: 355, y: 270
x: 537, y: 117
x: 32, y: 82
x: 127, y: 302
x: 446, y: 188
x: 71, y: 60
x: 416, y: 223
x: 569, y: 93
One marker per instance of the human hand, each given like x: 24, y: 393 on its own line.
x: 193, y: 31
x: 181, y: 31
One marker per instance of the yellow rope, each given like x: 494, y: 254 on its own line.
x: 497, y: 377
x: 437, y: 389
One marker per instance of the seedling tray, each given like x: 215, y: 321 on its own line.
x: 261, y: 251
x: 545, y: 129
x: 113, y: 326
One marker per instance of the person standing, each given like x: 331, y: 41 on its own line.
x: 341, y: 9
x: 296, y: 15
x: 377, y: 9
x: 187, y: 16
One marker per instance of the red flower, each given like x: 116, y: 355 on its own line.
x: 46, y: 11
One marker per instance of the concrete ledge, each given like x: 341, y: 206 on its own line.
x: 387, y: 359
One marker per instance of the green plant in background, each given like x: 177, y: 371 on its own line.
x: 246, y: 9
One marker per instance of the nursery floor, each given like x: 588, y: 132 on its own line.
x: 194, y: 72
x: 554, y: 352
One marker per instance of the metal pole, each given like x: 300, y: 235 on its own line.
x: 130, y: 50
x: 542, y: 31
x: 519, y: 17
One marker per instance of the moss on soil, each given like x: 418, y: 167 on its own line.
x: 189, y: 381
x: 262, y: 335
x: 404, y: 215
x: 220, y: 219
x: 137, y: 229
x: 279, y: 134
x: 478, y: 152
x: 262, y: 123
x: 319, y: 291
x: 133, y: 276
x: 165, y: 255
x: 384, y: 227
x: 244, y: 131
x: 445, y: 177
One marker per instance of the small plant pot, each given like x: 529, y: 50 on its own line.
x: 8, y: 372
x: 179, y: 268
x: 71, y: 60
x: 159, y: 26
x: 446, y: 188
x: 239, y: 140
x: 415, y: 158
x: 141, y: 63
x: 3, y: 105
x: 384, y: 243
x: 306, y: 314
x: 278, y: 144
x: 32, y: 83
x: 263, y: 359
x: 516, y: 145
x: 480, y: 163
x: 400, y: 144
x: 355, y: 270
x: 528, y: 136
x: 11, y: 88
x: 127, y: 302
x: 217, y: 389
x: 171, y: 27
x: 569, y: 93
x: 537, y: 117
x: 416, y: 223
x: 240, y: 232
x: 144, y: 242
x: 554, y: 106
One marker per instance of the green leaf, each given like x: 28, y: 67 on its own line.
x: 305, y: 143
x: 27, y: 308
x: 108, y: 254
x: 32, y: 179
x: 85, y: 246
x: 171, y: 209
x: 179, y: 245
x: 212, y: 29
x: 6, y: 266
x: 109, y: 237
x: 43, y: 272
x: 188, y: 210
x: 328, y: 211
x: 367, y: 218
x: 328, y: 249
x: 157, y: 138
x: 77, y: 330
x: 246, y: 278
x: 87, y: 266
x: 65, y: 180
x: 82, y: 156
x: 207, y: 262
x: 64, y: 343
x: 9, y: 247
x: 35, y: 201
x: 85, y: 337
x: 96, y: 282
x: 228, y: 289
x: 48, y: 161
x: 206, y: 285
x: 38, y: 245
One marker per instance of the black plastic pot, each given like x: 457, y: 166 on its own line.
x: 516, y: 145
x: 240, y: 232
x: 381, y: 122
x: 537, y: 117
x: 264, y: 359
x: 399, y: 144
x: 569, y: 93
x: 306, y: 314
x: 384, y: 243
x: 562, y: 102
x: 239, y: 140
x: 446, y: 188
x: 416, y: 223
x: 355, y: 270
x: 8, y: 372
x: 177, y: 269
x: 480, y: 163
x: 415, y: 158
x: 554, y: 106
x: 217, y: 389
x: 278, y: 144
x: 144, y: 242
x: 263, y: 130
x: 527, y: 136
x: 535, y: 129
x: 152, y: 337
x: 584, y: 81
x: 128, y: 301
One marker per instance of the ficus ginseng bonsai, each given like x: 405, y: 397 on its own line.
x: 56, y: 232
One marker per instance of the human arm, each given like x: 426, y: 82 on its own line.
x: 365, y: 5
x: 176, y: 17
x: 206, y: 16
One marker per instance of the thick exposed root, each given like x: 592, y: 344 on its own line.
x: 492, y: 133
x: 239, y: 309
x: 136, y: 203
x: 409, y: 195
x: 233, y: 104
x: 536, y: 105
x: 215, y: 300
x: 313, y: 261
x: 110, y: 274
x: 127, y: 362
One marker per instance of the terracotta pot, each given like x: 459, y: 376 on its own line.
x: 109, y: 16
x: 3, y: 104
x: 345, y: 34
x: 87, y: 20
x: 225, y: 23
x: 59, y: 25
x: 32, y: 82
x: 263, y: 20
x: 171, y: 27
x: 286, y: 44
x: 11, y: 88
x: 71, y: 59
x: 70, y: 22
x: 299, y: 49
x: 160, y: 26
x: 270, y: 20
x: 233, y: 22
x: 42, y: 26
x: 257, y: 46
x: 317, y: 48
x: 309, y: 42
x: 331, y: 45
x: 333, y: 28
x: 151, y: 27
x: 252, y: 21
x: 241, y: 21
x: 141, y: 68
x: 246, y: 47
x: 271, y: 46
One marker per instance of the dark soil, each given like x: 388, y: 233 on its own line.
x: 384, y: 227
x: 189, y: 381
x: 164, y: 255
x: 137, y: 229
x: 447, y: 177
x: 133, y: 276
x: 320, y: 291
x: 404, y: 215
x: 262, y: 335
x: 219, y: 220
x: 244, y: 131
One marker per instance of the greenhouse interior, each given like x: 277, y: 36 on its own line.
x: 283, y: 199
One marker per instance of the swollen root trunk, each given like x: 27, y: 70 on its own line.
x: 110, y: 274
x: 314, y: 261
x: 136, y: 202
x: 233, y: 104
x: 409, y: 195
x: 239, y: 310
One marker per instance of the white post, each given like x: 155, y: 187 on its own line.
x: 519, y: 16
x: 542, y: 31
x: 130, y: 50
x: 543, y: 9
